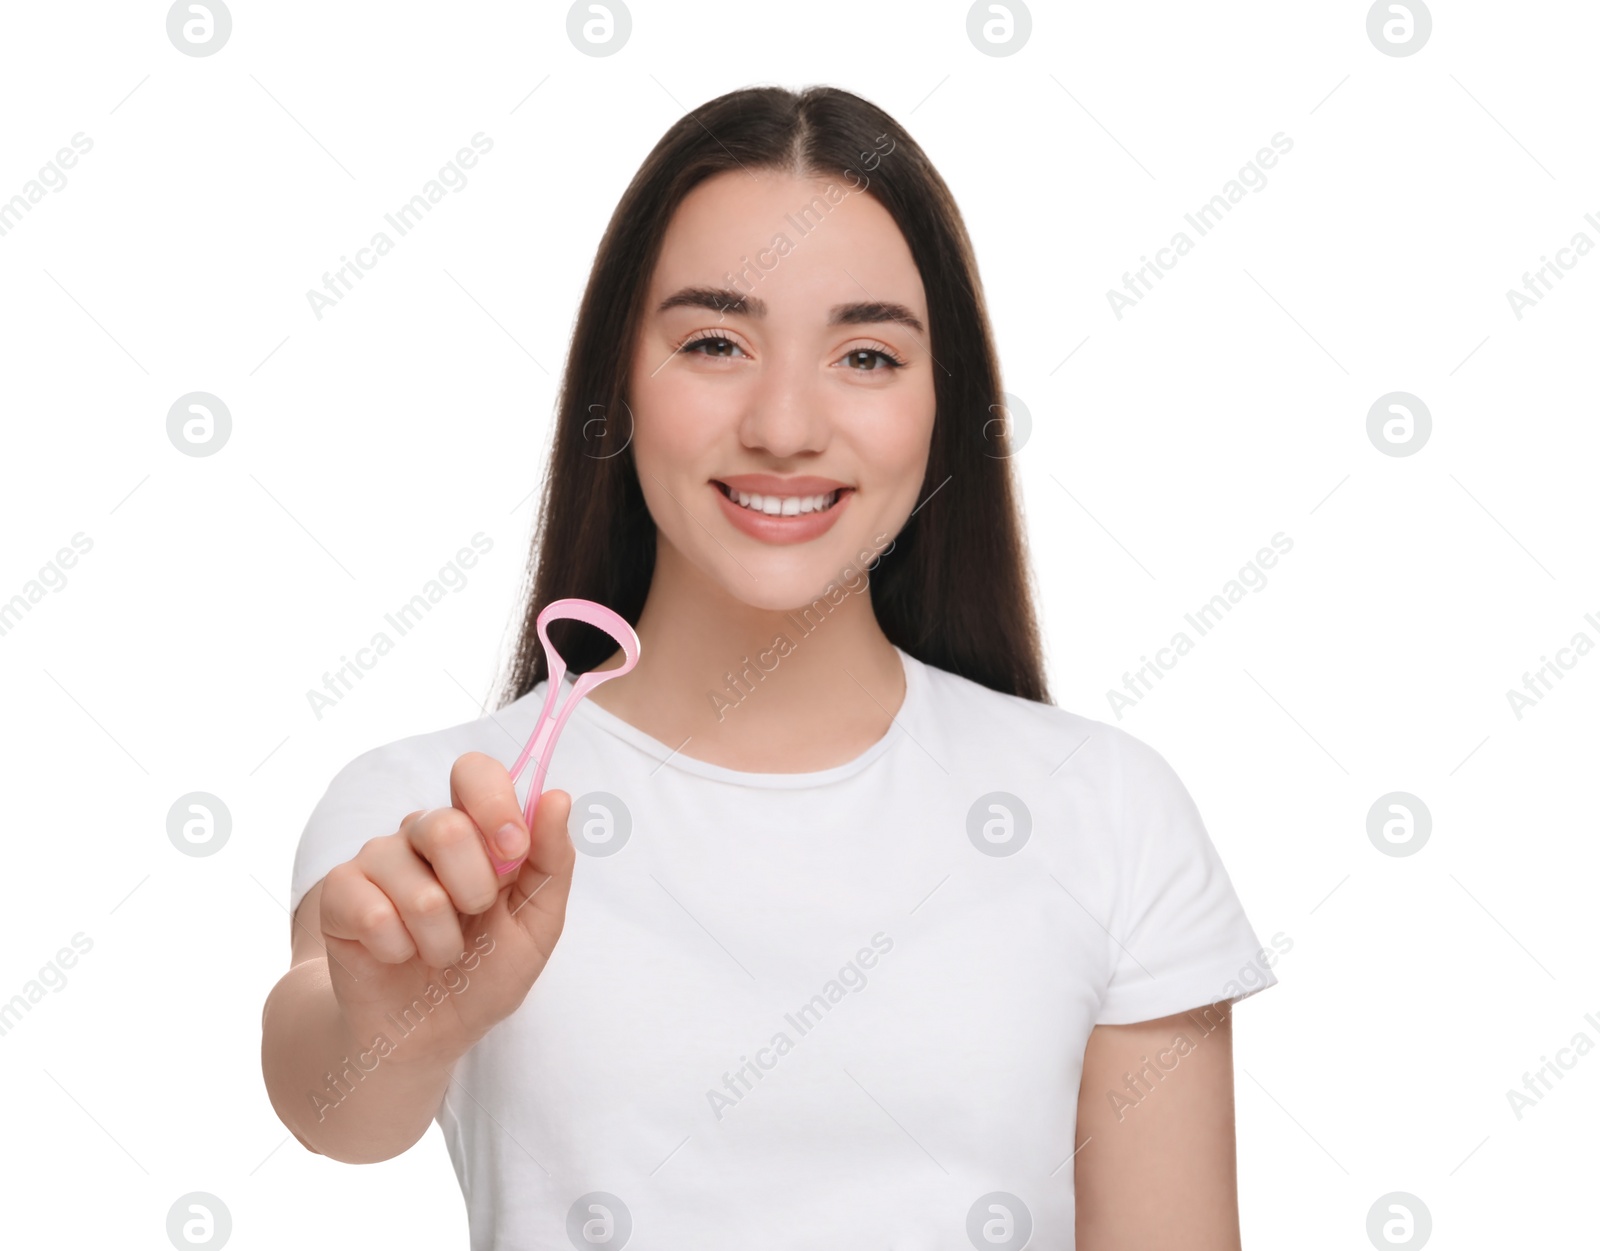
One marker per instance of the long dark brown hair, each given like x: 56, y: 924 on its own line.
x: 954, y: 590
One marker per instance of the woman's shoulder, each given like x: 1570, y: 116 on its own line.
x: 499, y: 733
x: 1034, y: 733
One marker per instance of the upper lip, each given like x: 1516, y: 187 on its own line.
x: 771, y: 484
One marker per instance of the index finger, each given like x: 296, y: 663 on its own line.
x: 482, y: 788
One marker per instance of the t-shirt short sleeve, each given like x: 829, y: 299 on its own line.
x: 368, y: 798
x: 1179, y: 937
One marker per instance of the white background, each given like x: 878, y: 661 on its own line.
x: 1230, y: 404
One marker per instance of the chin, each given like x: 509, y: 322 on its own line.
x: 818, y: 577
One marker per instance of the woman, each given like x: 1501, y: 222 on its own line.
x: 870, y: 945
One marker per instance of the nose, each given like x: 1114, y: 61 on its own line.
x: 785, y: 413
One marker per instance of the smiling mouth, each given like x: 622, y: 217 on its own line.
x: 783, y: 505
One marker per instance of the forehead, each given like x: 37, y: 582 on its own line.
x: 793, y: 241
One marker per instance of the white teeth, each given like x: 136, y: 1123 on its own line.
x: 785, y: 505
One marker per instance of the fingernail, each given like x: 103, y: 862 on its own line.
x: 510, y: 839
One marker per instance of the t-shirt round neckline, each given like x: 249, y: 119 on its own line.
x: 915, y: 680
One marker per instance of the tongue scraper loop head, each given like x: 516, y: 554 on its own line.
x: 541, y: 745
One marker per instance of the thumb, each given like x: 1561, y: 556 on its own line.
x: 545, y: 877
x: 550, y: 848
x: 514, y: 847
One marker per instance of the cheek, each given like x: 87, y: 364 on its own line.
x: 679, y: 421
x: 902, y: 429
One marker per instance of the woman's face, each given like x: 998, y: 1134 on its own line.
x: 783, y: 354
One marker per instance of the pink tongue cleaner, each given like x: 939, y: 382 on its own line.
x: 541, y: 743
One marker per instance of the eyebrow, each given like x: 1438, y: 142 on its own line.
x: 725, y: 300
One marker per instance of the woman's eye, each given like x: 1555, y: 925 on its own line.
x: 718, y: 347
x: 864, y: 360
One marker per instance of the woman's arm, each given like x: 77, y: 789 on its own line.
x: 1155, y: 1165
x: 304, y: 1041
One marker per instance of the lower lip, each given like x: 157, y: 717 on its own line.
x: 769, y: 529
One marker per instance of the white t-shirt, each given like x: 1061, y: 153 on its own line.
x: 845, y: 1008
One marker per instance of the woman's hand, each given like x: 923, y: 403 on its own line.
x: 413, y: 902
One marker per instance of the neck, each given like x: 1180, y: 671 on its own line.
x: 763, y: 690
